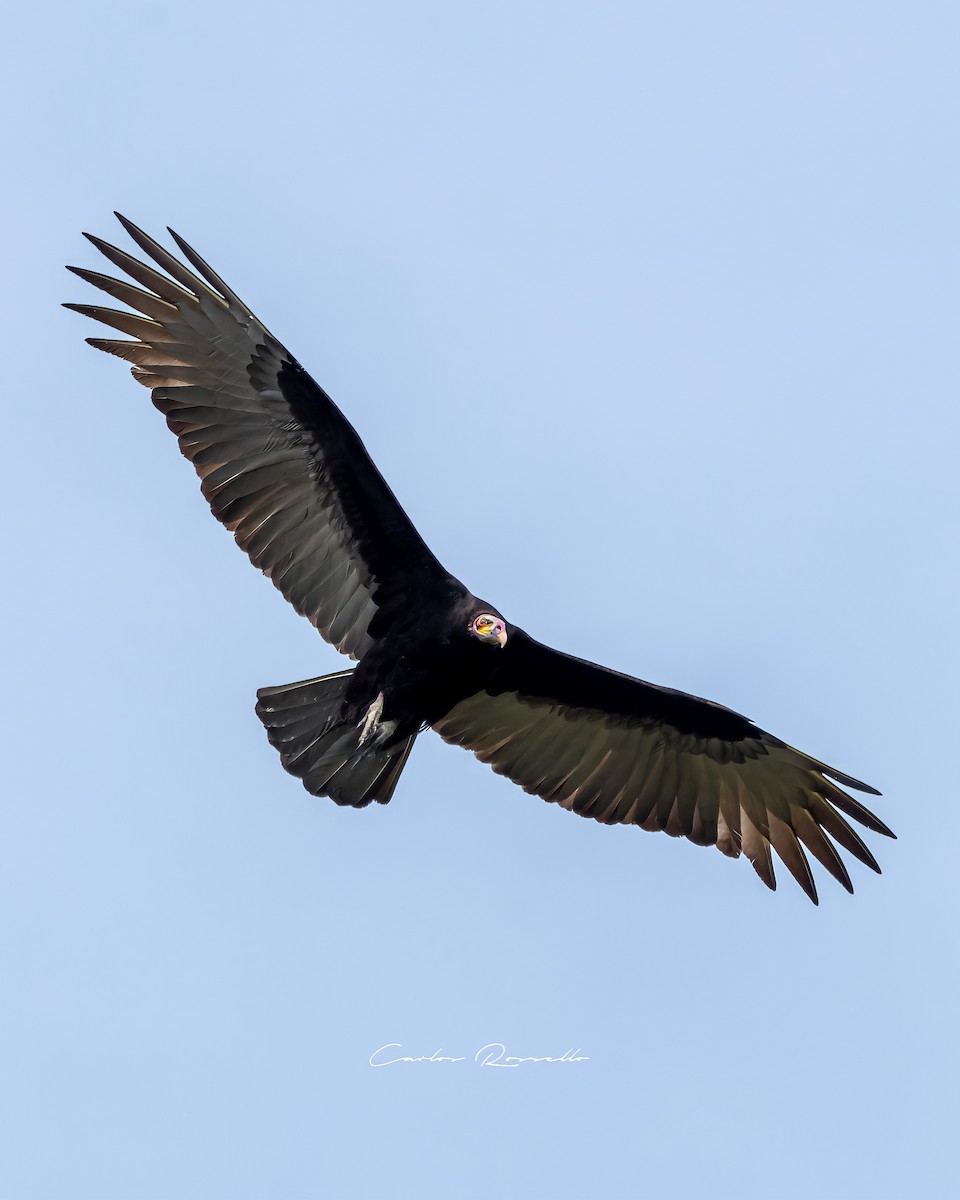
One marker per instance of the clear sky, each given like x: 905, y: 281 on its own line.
x: 647, y: 312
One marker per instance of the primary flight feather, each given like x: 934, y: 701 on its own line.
x: 287, y: 474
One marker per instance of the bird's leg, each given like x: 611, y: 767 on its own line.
x: 368, y: 726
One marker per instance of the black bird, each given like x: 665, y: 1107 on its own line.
x: 285, y: 472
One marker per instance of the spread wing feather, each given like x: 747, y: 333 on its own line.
x: 280, y: 466
x: 623, y: 751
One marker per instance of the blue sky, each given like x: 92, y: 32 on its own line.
x: 647, y: 312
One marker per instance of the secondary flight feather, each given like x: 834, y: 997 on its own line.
x: 287, y: 474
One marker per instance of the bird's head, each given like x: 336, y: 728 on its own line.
x: 488, y: 627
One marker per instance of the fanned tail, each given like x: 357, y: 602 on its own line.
x: 305, y: 722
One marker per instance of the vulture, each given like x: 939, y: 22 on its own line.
x: 286, y: 473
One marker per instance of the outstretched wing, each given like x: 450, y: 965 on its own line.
x: 623, y: 751
x: 279, y: 464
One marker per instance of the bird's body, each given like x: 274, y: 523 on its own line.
x: 288, y: 475
x: 421, y: 674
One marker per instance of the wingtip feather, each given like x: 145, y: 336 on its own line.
x: 849, y: 781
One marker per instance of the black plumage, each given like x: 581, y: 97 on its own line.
x: 287, y: 474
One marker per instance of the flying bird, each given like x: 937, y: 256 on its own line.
x: 286, y: 473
